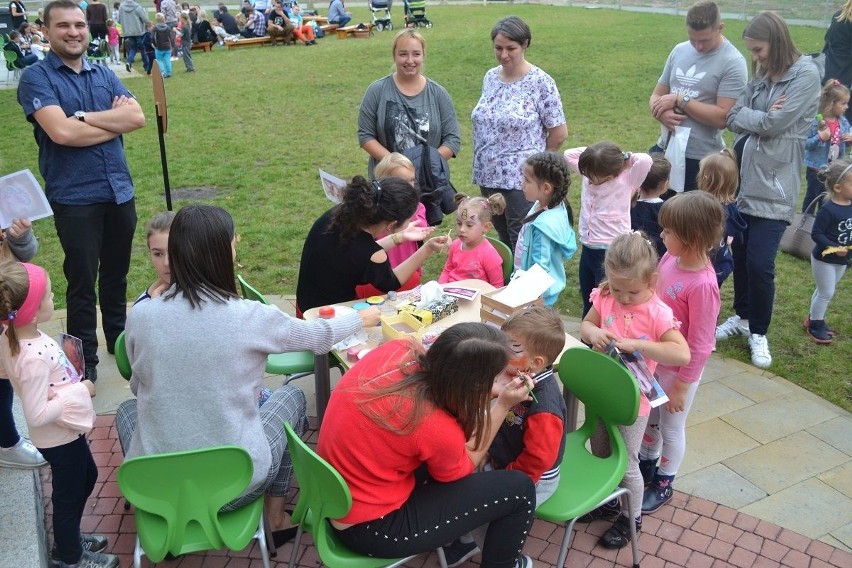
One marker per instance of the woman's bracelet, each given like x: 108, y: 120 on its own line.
x: 397, y: 240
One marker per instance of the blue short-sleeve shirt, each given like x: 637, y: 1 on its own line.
x: 72, y: 175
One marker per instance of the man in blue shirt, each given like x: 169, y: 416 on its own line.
x: 79, y: 114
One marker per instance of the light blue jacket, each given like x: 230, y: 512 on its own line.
x: 816, y: 151
x: 548, y: 240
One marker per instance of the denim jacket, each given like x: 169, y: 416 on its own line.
x: 816, y: 150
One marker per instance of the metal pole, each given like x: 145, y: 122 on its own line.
x: 164, y: 161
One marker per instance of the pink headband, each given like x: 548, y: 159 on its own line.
x: 29, y: 309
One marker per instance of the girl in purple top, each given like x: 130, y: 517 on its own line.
x: 693, y: 224
x: 519, y: 114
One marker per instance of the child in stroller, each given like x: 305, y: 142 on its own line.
x: 415, y: 14
x: 381, y: 14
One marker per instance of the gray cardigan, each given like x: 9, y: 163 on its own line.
x: 197, y: 372
x: 23, y: 247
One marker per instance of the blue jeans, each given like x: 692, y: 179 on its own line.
x: 754, y: 271
x: 132, y: 45
x: 342, y: 21
x: 591, y: 273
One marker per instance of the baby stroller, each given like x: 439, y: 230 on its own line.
x: 415, y: 14
x: 381, y: 14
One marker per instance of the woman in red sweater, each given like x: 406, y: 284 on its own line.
x: 406, y: 428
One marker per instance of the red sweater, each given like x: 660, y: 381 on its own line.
x: 378, y: 464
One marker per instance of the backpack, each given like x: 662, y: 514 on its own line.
x: 94, y: 49
x: 433, y: 179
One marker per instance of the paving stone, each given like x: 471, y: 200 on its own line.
x: 718, y: 441
x: 839, y: 478
x: 837, y: 432
x: 714, y: 400
x: 718, y: 483
x: 779, y: 417
x: 756, y: 387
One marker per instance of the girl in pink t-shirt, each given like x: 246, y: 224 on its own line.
x: 626, y: 310
x: 112, y: 42
x: 471, y: 255
x: 693, y: 225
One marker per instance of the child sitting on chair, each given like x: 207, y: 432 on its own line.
x: 532, y: 437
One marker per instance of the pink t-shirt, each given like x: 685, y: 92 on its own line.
x: 482, y: 262
x: 649, y: 320
x: 112, y: 36
x: 402, y: 251
x: 693, y: 296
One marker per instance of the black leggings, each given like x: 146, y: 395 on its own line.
x: 438, y: 513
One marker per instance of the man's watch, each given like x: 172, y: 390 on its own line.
x: 684, y: 100
x: 80, y: 115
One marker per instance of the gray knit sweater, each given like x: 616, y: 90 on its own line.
x: 197, y: 372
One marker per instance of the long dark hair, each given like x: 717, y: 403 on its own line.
x: 455, y: 374
x: 201, y: 255
x: 389, y: 199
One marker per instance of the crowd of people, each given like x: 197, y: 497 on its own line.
x: 433, y: 435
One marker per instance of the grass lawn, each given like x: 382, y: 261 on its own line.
x: 256, y: 123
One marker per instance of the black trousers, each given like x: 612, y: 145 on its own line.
x: 8, y: 432
x: 96, y: 240
x: 74, y: 476
x: 438, y: 513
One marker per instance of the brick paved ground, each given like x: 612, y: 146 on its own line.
x: 690, y: 532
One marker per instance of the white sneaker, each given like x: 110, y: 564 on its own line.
x: 760, y: 356
x: 22, y: 455
x: 731, y: 327
x: 524, y: 562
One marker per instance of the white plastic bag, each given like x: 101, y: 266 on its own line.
x: 676, y: 154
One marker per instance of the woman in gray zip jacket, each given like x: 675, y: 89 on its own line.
x: 771, y: 119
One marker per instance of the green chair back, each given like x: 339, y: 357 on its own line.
x: 506, y: 255
x: 122, y: 361
x: 610, y: 394
x: 178, y: 497
x: 323, y: 495
x: 293, y: 365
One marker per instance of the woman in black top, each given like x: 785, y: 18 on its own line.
x: 341, y: 250
x: 838, y: 48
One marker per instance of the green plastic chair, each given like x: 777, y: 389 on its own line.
x: 323, y: 495
x: 177, y: 499
x: 293, y: 365
x: 122, y: 361
x: 11, y: 65
x: 506, y: 255
x: 610, y: 394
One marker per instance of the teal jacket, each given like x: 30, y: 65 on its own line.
x: 548, y: 240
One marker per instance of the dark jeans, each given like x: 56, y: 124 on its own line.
x: 438, y: 513
x: 754, y: 271
x: 591, y: 273
x: 342, y: 21
x: 131, y: 46
x: 8, y: 432
x: 690, y: 178
x: 815, y: 187
x: 96, y: 240
x: 248, y: 32
x: 74, y: 476
x: 508, y: 225
x: 25, y: 61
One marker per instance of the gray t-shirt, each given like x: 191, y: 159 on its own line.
x: 704, y: 77
x: 398, y: 122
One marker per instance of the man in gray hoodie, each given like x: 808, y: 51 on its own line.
x: 132, y: 17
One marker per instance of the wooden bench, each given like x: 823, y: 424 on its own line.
x: 363, y: 32
x: 328, y: 28
x: 249, y: 41
x: 320, y: 20
x: 206, y: 46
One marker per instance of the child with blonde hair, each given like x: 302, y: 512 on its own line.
x: 471, y: 255
x: 693, y: 224
x: 827, y: 138
x: 719, y: 176
x: 546, y: 237
x: 398, y: 165
x: 57, y: 406
x: 830, y: 233
x: 645, y: 211
x: 610, y: 179
x: 626, y: 310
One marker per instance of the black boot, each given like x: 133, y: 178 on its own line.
x: 658, y: 494
x: 618, y: 535
x: 648, y: 468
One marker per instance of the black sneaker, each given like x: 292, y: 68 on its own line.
x: 655, y: 497
x: 608, y: 511
x: 818, y: 332
x: 90, y: 542
x: 127, y: 66
x: 458, y: 552
x: 618, y: 535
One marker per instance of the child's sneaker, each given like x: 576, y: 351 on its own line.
x: 90, y: 542
x: 94, y: 560
x: 609, y: 511
x: 658, y: 494
x: 731, y: 327
x: 22, y: 455
x: 831, y: 333
x: 524, y: 562
x: 818, y: 331
x: 760, y: 356
x: 457, y: 552
x: 618, y: 535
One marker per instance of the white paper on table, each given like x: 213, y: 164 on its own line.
x: 333, y: 186
x: 21, y: 197
x: 527, y: 287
